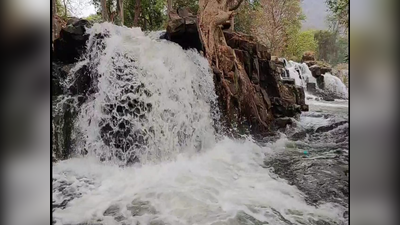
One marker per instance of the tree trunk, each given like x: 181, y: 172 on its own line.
x: 65, y: 9
x: 232, y: 27
x: 104, y: 12
x: 120, y: 11
x: 237, y: 92
x: 137, y: 14
x: 54, y: 13
x: 169, y: 4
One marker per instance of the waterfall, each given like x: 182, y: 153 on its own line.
x: 150, y: 99
x: 334, y: 85
x: 302, y: 75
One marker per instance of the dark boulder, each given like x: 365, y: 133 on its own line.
x: 315, y: 71
x: 182, y: 29
x: 72, y: 41
x: 308, y: 56
x: 330, y: 126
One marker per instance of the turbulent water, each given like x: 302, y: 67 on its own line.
x: 154, y: 102
x: 302, y: 75
x: 335, y: 85
x: 299, y: 72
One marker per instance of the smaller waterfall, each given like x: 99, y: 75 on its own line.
x: 333, y: 84
x: 302, y: 76
x: 299, y: 72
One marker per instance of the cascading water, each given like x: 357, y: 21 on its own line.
x: 335, y: 85
x: 152, y: 101
x: 148, y: 105
x: 299, y: 72
x: 302, y: 75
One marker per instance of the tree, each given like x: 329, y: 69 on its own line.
x: 120, y: 10
x: 229, y: 71
x: 137, y: 13
x: 332, y: 47
x: 275, y: 21
x: 95, y: 18
x: 104, y: 11
x: 340, y: 9
x: 147, y: 14
x: 169, y: 3
x: 245, y: 16
x: 299, y: 43
x: 53, y: 22
x: 193, y: 5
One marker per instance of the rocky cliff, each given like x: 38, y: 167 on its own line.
x: 282, y: 98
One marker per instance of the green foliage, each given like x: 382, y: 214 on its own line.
x: 152, y: 17
x: 193, y: 5
x: 272, y: 23
x: 61, y: 11
x: 340, y: 10
x: 332, y: 47
x: 245, y: 16
x: 299, y: 43
x: 95, y: 18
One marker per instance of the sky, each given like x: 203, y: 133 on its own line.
x: 83, y: 8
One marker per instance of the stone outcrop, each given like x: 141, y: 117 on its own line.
x: 71, y: 42
x: 182, y: 29
x: 282, y: 98
x: 308, y: 56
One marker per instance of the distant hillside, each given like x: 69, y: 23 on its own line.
x: 316, y: 12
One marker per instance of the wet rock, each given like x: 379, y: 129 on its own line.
x: 298, y: 135
x: 315, y: 70
x: 304, y: 108
x: 308, y: 56
x: 139, y: 208
x: 328, y: 98
x: 311, y: 87
x: 71, y: 42
x: 330, y: 127
x: 182, y: 29
x: 326, y: 70
x: 290, y: 81
x: 56, y: 80
x: 244, y: 218
x: 83, y: 81
x: 283, y: 122
x: 114, y: 211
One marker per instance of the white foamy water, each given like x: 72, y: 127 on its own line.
x: 300, y: 73
x: 212, y: 187
x: 153, y: 95
x: 186, y: 175
x: 335, y: 85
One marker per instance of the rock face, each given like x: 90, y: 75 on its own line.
x: 182, y: 29
x: 308, y: 56
x: 282, y: 99
x: 68, y: 47
x: 72, y: 41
